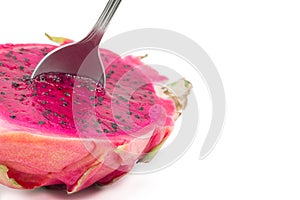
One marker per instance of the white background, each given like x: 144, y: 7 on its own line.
x: 255, y: 46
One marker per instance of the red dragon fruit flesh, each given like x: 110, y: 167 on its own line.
x: 60, y: 129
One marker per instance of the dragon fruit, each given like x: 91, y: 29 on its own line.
x: 59, y: 129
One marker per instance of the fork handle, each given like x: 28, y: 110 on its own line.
x: 99, y: 28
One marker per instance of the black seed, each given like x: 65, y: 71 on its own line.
x: 41, y: 122
x: 2, y: 73
x: 22, y: 49
x: 15, y: 85
x: 71, y: 84
x: 131, y: 98
x: 6, y: 79
x: 117, y: 102
x: 145, y: 95
x: 112, y: 72
x: 67, y: 94
x: 129, y: 113
x: 141, y: 108
x: 23, y: 95
x: 106, y: 131
x: 99, y: 121
x: 14, y: 57
x: 26, y: 77
x: 3, y: 93
x: 62, y: 99
x: 114, y: 125
x: 44, y: 49
x: 123, y: 99
x: 100, y: 99
x: 34, y: 94
x: 21, y: 67
x: 65, y: 104
x: 92, y: 97
x: 137, y: 116
x: 85, y: 126
x: 42, y: 79
x: 8, y: 55
x: 28, y: 82
x: 45, y: 114
x: 98, y: 131
x: 108, y: 76
x: 13, y: 116
x: 55, y: 114
x: 63, y: 115
x: 123, y: 120
x: 90, y: 88
x: 26, y: 59
x: 118, y: 117
x: 56, y: 79
x: 63, y: 123
x: 43, y: 102
x: 126, y: 66
x: 114, y: 66
x: 48, y: 111
x: 21, y: 99
x: 0, y: 63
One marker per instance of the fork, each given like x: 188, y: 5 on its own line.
x: 81, y: 58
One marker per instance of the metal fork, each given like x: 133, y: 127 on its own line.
x: 81, y: 58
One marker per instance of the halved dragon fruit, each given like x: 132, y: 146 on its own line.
x: 59, y: 129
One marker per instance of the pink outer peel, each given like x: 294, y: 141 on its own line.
x: 29, y: 161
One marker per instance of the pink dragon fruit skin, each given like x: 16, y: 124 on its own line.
x: 45, y: 140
